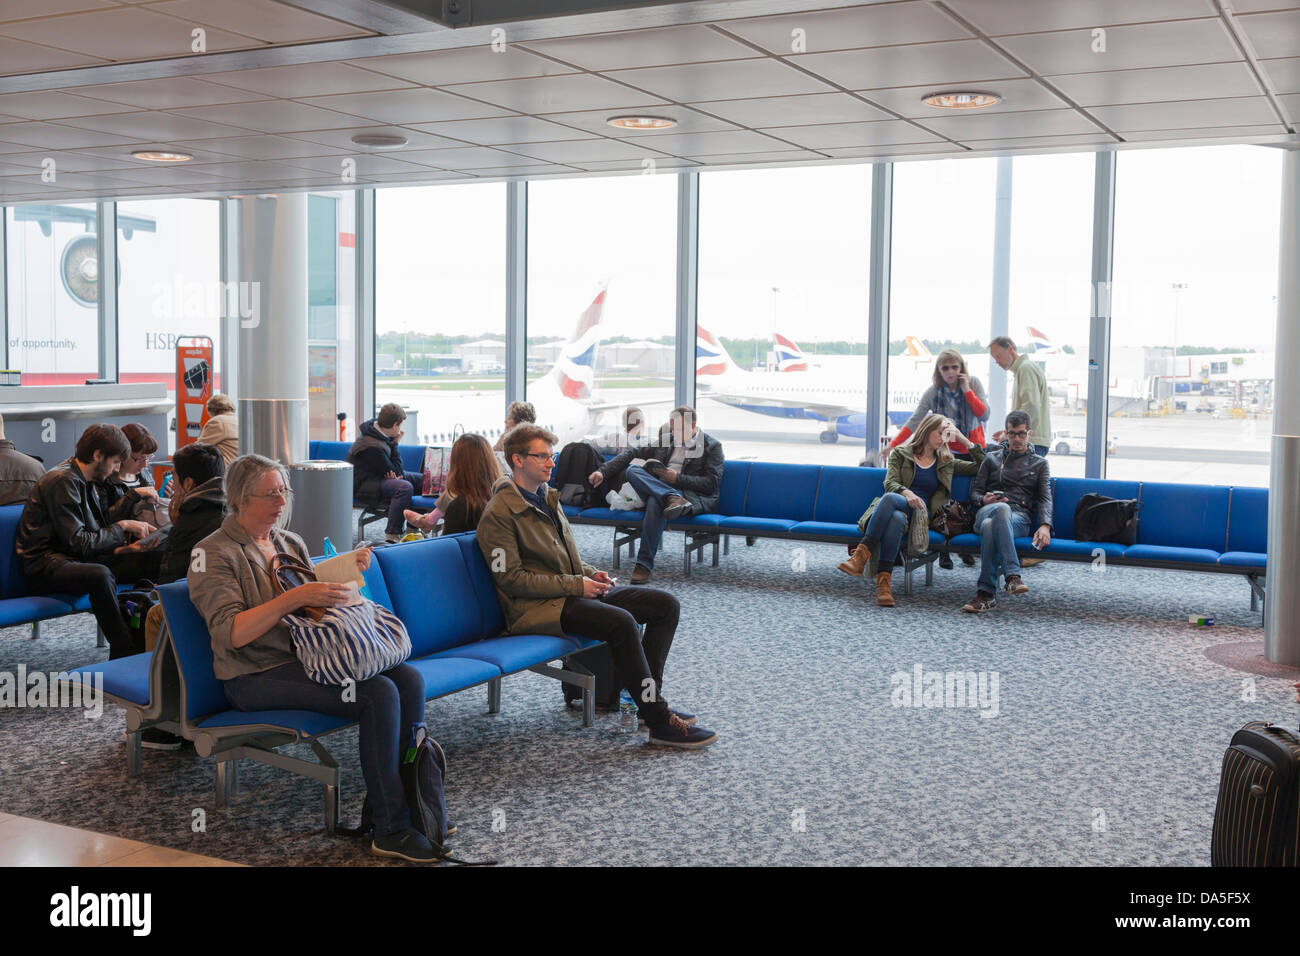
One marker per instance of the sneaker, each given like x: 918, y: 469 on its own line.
x: 1030, y: 562
x: 675, y: 732
x: 640, y: 574
x: 154, y: 739
x: 392, y: 538
x: 690, y: 720
x: 410, y: 845
x: 945, y: 560
x: 981, y: 602
x: 968, y: 560
x: 675, y: 507
x: 1015, y: 585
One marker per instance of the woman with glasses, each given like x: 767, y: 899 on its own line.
x: 252, y: 652
x: 956, y: 395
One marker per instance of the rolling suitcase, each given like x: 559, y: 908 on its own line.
x: 1257, y: 817
x: 600, y: 662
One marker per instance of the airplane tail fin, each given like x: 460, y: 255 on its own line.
x: 711, y: 359
x: 916, y: 348
x: 789, y: 357
x: 1040, y: 343
x: 575, y: 369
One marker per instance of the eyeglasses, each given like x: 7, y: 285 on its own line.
x: 1021, y: 433
x: 950, y: 368
x: 283, y: 494
x: 539, y: 455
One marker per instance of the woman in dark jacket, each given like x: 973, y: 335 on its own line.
x: 919, y: 477
x: 471, y: 475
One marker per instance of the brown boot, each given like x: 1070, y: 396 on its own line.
x: 884, y: 597
x: 857, y: 562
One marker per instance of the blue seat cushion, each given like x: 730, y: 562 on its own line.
x: 1066, y: 493
x: 967, y: 540
x: 446, y: 675
x: 431, y: 589
x: 126, y: 678
x: 740, y: 523
x: 513, y: 653
x: 1244, y: 559
x: 1193, y: 517
x: 491, y: 621
x: 735, y: 482
x: 697, y: 521
x: 828, y: 529
x: 609, y: 514
x: 844, y: 493
x: 24, y: 610
x: 1064, y: 546
x: 583, y: 642
x: 571, y: 511
x: 782, y: 491
x: 1160, y: 552
x: 421, y: 503
x: 81, y: 603
x: 305, y: 723
x: 1248, y: 521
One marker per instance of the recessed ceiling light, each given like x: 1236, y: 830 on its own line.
x: 161, y: 156
x: 960, y: 100
x: 641, y: 122
x: 379, y: 140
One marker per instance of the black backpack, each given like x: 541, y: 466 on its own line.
x: 134, y: 605
x: 1098, y: 518
x: 577, y: 460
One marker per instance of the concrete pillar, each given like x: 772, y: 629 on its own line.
x: 1282, y: 600
x: 1000, y: 310
x: 273, y: 414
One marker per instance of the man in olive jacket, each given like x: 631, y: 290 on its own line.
x: 545, y: 587
x: 682, y: 475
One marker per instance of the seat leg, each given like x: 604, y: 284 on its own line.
x: 232, y: 778
x: 618, y: 551
x: 588, y: 707
x: 331, y: 808
x: 715, y: 552
x: 36, y: 625
x: 223, y: 784
x: 686, y: 557
x: 1254, y: 598
x: 100, y: 639
x: 133, y: 754
x: 726, y: 544
x: 907, y: 579
x: 494, y: 695
x: 929, y: 573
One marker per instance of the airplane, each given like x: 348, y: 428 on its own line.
x: 789, y: 358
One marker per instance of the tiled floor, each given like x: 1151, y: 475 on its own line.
x: 28, y: 842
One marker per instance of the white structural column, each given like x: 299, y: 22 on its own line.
x: 272, y: 302
x: 1282, y: 601
x: 1000, y: 308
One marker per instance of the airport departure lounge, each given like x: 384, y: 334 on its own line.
x: 529, y: 433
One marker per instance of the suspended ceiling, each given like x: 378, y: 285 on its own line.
x: 283, y: 86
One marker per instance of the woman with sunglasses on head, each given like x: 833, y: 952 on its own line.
x: 955, y: 394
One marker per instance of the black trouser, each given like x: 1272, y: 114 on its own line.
x: 615, y: 619
x: 99, y: 580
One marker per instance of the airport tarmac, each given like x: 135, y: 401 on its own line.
x: 1186, y: 447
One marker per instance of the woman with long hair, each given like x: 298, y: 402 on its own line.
x: 955, y: 394
x: 471, y: 475
x: 919, y: 478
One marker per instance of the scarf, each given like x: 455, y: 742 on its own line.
x: 951, y: 403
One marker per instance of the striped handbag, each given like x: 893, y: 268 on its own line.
x: 354, y: 642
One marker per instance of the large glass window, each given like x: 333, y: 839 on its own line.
x: 781, y: 357
x: 601, y: 302
x: 440, y: 272
x: 331, y: 329
x: 53, y: 282
x: 1195, y: 311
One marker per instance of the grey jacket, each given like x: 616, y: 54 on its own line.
x: 700, y: 481
x: 1025, y: 479
x: 233, y: 576
x: 18, y: 474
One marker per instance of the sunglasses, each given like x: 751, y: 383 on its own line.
x: 950, y: 368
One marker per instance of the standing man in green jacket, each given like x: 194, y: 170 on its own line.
x: 545, y: 587
x: 1030, y: 394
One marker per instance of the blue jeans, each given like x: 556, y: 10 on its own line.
x: 386, y: 706
x: 886, y: 527
x: 654, y: 493
x: 398, y: 491
x: 998, y: 526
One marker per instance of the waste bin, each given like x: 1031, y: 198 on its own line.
x: 322, y: 504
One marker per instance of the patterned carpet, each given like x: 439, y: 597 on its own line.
x: 1110, y: 725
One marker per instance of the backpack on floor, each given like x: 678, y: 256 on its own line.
x: 600, y: 662
x: 1098, y: 518
x: 134, y: 605
x: 1257, y: 816
x: 578, y: 460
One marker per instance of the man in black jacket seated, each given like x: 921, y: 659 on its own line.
x: 377, y: 474
x: 66, y: 544
x: 1012, y: 486
x: 682, y: 476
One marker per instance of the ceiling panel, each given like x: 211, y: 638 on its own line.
x: 880, y: 152
x: 1148, y: 45
x: 586, y: 151
x: 735, y: 159
x: 123, y: 33
x: 1255, y: 6
x: 267, y: 147
x: 415, y: 105
x: 795, y: 110
x: 1237, y: 133
x: 882, y: 24
x: 1025, y: 142
x: 1273, y: 34
x: 1282, y: 75
x: 261, y: 171
x: 1290, y: 103
x: 502, y: 130
x: 1211, y: 80
x: 52, y: 105
x: 1032, y: 123
x: 854, y: 134
x: 152, y: 125
x: 731, y: 79
x: 961, y: 61
x: 274, y: 116
x: 1235, y: 111
x: 997, y: 17
x: 263, y: 19
x: 688, y: 120
x: 307, y: 79
x: 53, y: 136
x: 342, y: 138
x: 555, y: 94
x: 467, y: 157
x: 614, y: 51
x: 1017, y: 96
x: 703, y: 144
x: 18, y: 56
x: 170, y: 93
x: 475, y: 64
x: 658, y: 163
x: 364, y: 164
x: 30, y: 9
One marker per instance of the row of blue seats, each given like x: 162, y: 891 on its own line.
x: 1188, y: 527
x: 17, y: 604
x: 442, y: 591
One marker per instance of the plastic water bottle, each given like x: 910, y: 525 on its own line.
x: 627, y: 719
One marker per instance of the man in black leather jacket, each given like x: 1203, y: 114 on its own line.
x: 1013, y: 485
x: 66, y: 543
x: 682, y: 476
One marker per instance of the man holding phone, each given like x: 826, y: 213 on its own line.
x: 1012, y: 487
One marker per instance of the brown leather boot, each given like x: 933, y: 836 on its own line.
x: 884, y: 596
x: 857, y: 562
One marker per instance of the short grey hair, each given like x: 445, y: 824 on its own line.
x: 244, y: 473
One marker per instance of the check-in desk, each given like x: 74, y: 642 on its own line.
x: 46, y: 420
